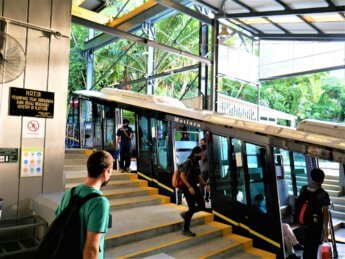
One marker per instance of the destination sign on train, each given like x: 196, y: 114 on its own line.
x: 31, y: 103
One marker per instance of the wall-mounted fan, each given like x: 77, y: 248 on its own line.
x: 12, y: 58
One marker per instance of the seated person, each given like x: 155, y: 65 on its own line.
x: 258, y: 206
x: 290, y: 240
x: 291, y: 243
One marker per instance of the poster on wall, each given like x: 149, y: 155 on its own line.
x: 33, y: 127
x: 31, y: 162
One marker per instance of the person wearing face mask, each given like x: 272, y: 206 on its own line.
x: 190, y: 176
x: 95, y: 213
x: 124, y: 140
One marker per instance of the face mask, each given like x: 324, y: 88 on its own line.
x: 203, y: 147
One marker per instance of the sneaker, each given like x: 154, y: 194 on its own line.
x: 122, y: 171
x: 128, y: 170
x: 298, y: 246
x: 183, y: 214
x: 188, y: 233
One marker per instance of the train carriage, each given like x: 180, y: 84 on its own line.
x: 246, y: 158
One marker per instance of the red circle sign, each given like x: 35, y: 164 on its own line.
x: 33, y: 125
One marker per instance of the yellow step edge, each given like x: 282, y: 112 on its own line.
x: 119, y: 191
x: 226, y: 229
x: 149, y: 198
x: 221, y: 250
x: 261, y: 253
x: 246, y: 242
x: 172, y: 243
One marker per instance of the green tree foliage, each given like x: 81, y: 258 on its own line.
x: 315, y: 96
x: 77, y: 64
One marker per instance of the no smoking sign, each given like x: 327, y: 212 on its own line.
x: 33, y: 127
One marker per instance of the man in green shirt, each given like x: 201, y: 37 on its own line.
x: 94, y: 214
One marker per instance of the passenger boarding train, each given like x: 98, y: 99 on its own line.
x: 245, y: 158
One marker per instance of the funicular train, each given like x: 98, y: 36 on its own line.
x: 245, y: 158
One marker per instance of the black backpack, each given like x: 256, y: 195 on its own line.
x: 63, y: 237
x: 308, y: 210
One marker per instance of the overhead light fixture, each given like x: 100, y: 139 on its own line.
x: 224, y: 33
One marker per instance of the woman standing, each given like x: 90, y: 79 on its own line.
x: 190, y: 176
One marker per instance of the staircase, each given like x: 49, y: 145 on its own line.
x: 335, y: 192
x: 147, y: 225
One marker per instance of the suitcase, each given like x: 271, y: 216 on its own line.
x: 325, y: 251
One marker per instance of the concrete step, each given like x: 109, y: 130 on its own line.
x: 338, y: 200
x: 130, y: 192
x: 338, y: 215
x: 332, y: 177
x: 78, y: 151
x: 137, y: 224
x: 76, y: 161
x: 79, y: 176
x: 212, y: 248
x: 168, y: 241
x: 76, y: 156
x: 116, y: 184
x: 332, y: 193
x: 71, y: 168
x: 332, y: 187
x: 331, y: 181
x: 339, y: 208
x: 138, y: 201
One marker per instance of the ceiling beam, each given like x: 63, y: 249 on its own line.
x: 303, y: 36
x: 303, y: 73
x: 131, y: 14
x: 183, y: 9
x: 328, y: 9
x: 89, y: 15
x: 140, y: 40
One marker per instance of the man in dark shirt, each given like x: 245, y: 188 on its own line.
x: 316, y: 231
x: 124, y: 140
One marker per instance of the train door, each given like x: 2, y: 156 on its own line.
x: 163, y: 165
x: 146, y: 146
x: 244, y: 189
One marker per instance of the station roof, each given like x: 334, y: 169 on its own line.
x: 264, y: 19
x: 284, y: 19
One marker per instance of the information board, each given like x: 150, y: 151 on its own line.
x: 32, y: 103
x: 32, y: 162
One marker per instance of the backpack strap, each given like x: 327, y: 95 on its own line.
x: 190, y: 165
x: 124, y: 131
x: 80, y: 201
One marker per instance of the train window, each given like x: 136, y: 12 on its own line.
x: 300, y: 170
x: 164, y: 152
x: 241, y: 193
x: 145, y: 147
x: 283, y: 168
x: 109, y: 127
x: 255, y: 157
x: 221, y: 165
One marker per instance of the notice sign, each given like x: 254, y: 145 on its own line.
x: 33, y: 127
x: 32, y: 162
x: 32, y: 103
x: 8, y: 155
